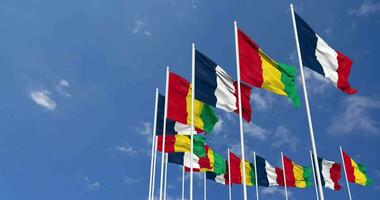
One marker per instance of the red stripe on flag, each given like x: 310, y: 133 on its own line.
x: 344, y: 68
x: 245, y: 100
x: 280, y: 176
x: 349, y: 168
x: 290, y: 180
x: 178, y: 90
x: 251, y: 70
x: 335, y: 175
x: 169, y: 143
x: 236, y: 176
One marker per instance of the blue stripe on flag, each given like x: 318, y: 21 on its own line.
x: 176, y: 158
x: 261, y: 173
x: 160, y: 118
x: 205, y: 79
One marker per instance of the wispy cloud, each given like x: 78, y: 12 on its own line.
x: 283, y: 136
x: 126, y: 149
x: 274, y: 190
x: 365, y: 9
x: 356, y: 115
x: 91, y: 185
x: 130, y: 180
x: 41, y: 97
x: 140, y: 27
x: 145, y: 129
x: 61, y: 86
x: 316, y: 83
x: 255, y: 131
x: 262, y: 100
x: 218, y: 126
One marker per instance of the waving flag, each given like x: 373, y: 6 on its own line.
x: 172, y: 127
x: 267, y: 175
x: 330, y: 173
x: 211, y: 162
x: 296, y: 175
x: 215, y: 87
x: 356, y: 172
x: 222, y: 178
x: 182, y: 143
x: 259, y: 70
x: 179, y: 105
x: 183, y: 158
x: 320, y: 57
x: 236, y: 167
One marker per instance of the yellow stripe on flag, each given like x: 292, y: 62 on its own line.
x: 247, y: 173
x: 210, y: 155
x: 360, y: 178
x: 198, y: 106
x: 182, y: 143
x: 271, y: 75
x: 298, y: 176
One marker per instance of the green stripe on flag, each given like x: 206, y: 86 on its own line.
x: 209, y: 118
x: 363, y: 169
x: 288, y: 78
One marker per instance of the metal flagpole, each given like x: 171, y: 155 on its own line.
x: 183, y: 182
x: 154, y: 167
x: 153, y: 145
x: 240, y: 111
x: 315, y: 181
x: 192, y: 117
x: 313, y: 145
x: 204, y: 186
x: 284, y: 173
x: 166, y: 175
x: 229, y: 175
x: 164, y: 131
x: 345, y: 173
x: 257, y: 184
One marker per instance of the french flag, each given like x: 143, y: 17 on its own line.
x: 267, y: 174
x: 320, y: 57
x: 330, y: 173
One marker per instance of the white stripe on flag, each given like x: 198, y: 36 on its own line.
x: 186, y: 160
x: 271, y: 174
x: 183, y: 129
x: 220, y: 179
x: 225, y: 91
x: 328, y: 58
x: 326, y: 166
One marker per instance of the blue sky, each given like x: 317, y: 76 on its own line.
x: 77, y: 88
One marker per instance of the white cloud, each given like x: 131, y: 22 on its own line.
x: 262, y: 100
x: 126, y: 149
x: 283, y: 137
x: 60, y: 87
x: 316, y: 83
x: 365, y: 9
x: 145, y: 129
x: 130, y: 180
x: 41, y: 97
x: 218, y: 126
x: 255, y: 131
x: 356, y: 115
x: 274, y: 190
x: 141, y: 27
x: 91, y: 185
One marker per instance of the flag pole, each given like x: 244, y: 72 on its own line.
x: 345, y: 173
x: 192, y: 117
x: 240, y: 110
x: 315, y: 181
x: 166, y: 174
x: 257, y: 184
x: 164, y: 131
x: 284, y: 174
x: 154, y: 166
x: 153, y: 144
x: 183, y: 182
x: 313, y: 145
x: 204, y: 187
x: 229, y: 175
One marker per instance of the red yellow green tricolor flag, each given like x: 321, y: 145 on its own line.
x: 211, y: 162
x: 355, y: 172
x: 259, y: 70
x: 296, y: 175
x: 179, y: 105
x: 236, y: 171
x: 181, y: 143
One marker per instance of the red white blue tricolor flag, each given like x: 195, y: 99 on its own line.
x: 320, y: 57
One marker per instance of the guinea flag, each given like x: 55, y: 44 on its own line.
x: 355, y: 172
x: 320, y: 57
x: 259, y: 70
x: 296, y: 175
x: 215, y: 87
x: 267, y: 174
x: 236, y: 170
x: 181, y: 143
x: 330, y: 171
x: 179, y: 105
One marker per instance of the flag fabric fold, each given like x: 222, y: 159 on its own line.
x: 320, y: 57
x: 236, y: 166
x: 183, y: 158
x: 179, y: 105
x: 267, y: 174
x: 330, y: 171
x: 211, y: 162
x: 259, y: 70
x: 222, y: 178
x: 356, y: 172
x: 181, y: 143
x: 296, y: 175
x: 215, y: 87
